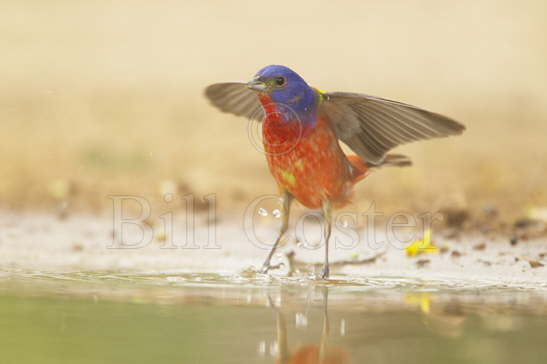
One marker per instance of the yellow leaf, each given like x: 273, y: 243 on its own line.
x: 424, y: 245
x: 421, y: 299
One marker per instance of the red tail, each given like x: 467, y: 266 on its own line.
x: 360, y: 168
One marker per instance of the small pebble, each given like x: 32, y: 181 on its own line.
x: 148, y: 222
x: 535, y: 264
x: 485, y: 262
x: 77, y: 247
x: 422, y: 263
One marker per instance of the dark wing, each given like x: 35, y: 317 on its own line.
x: 371, y: 126
x: 235, y: 98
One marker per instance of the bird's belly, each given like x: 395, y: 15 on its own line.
x: 312, y: 167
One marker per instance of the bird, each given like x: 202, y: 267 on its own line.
x: 302, y: 128
x: 321, y: 353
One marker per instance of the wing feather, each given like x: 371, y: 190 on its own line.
x: 371, y: 126
x: 235, y: 98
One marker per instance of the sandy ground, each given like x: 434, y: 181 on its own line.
x: 41, y: 242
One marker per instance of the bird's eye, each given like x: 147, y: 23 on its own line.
x: 280, y: 81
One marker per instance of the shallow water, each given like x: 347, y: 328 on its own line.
x: 175, y: 317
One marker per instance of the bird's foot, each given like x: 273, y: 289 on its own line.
x: 265, y: 268
x: 325, y: 272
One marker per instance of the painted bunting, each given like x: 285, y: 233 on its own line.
x: 323, y: 353
x: 301, y: 129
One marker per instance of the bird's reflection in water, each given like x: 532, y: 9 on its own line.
x: 321, y: 353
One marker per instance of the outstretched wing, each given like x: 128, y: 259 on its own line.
x: 235, y: 98
x: 371, y: 126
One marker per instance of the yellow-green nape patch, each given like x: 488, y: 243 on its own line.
x: 320, y: 93
x: 288, y: 177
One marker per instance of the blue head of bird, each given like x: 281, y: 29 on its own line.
x: 290, y: 93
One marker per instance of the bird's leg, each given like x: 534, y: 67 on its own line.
x: 326, y: 327
x: 286, y: 207
x: 282, y: 337
x: 326, y: 233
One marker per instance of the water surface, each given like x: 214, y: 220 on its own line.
x: 108, y: 317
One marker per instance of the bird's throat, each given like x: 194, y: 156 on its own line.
x: 277, y: 114
x: 282, y: 129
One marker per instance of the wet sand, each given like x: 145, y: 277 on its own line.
x: 32, y: 242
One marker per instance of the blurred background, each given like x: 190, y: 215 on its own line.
x: 106, y: 97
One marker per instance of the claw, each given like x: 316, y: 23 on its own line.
x: 268, y: 267
x: 325, y: 272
